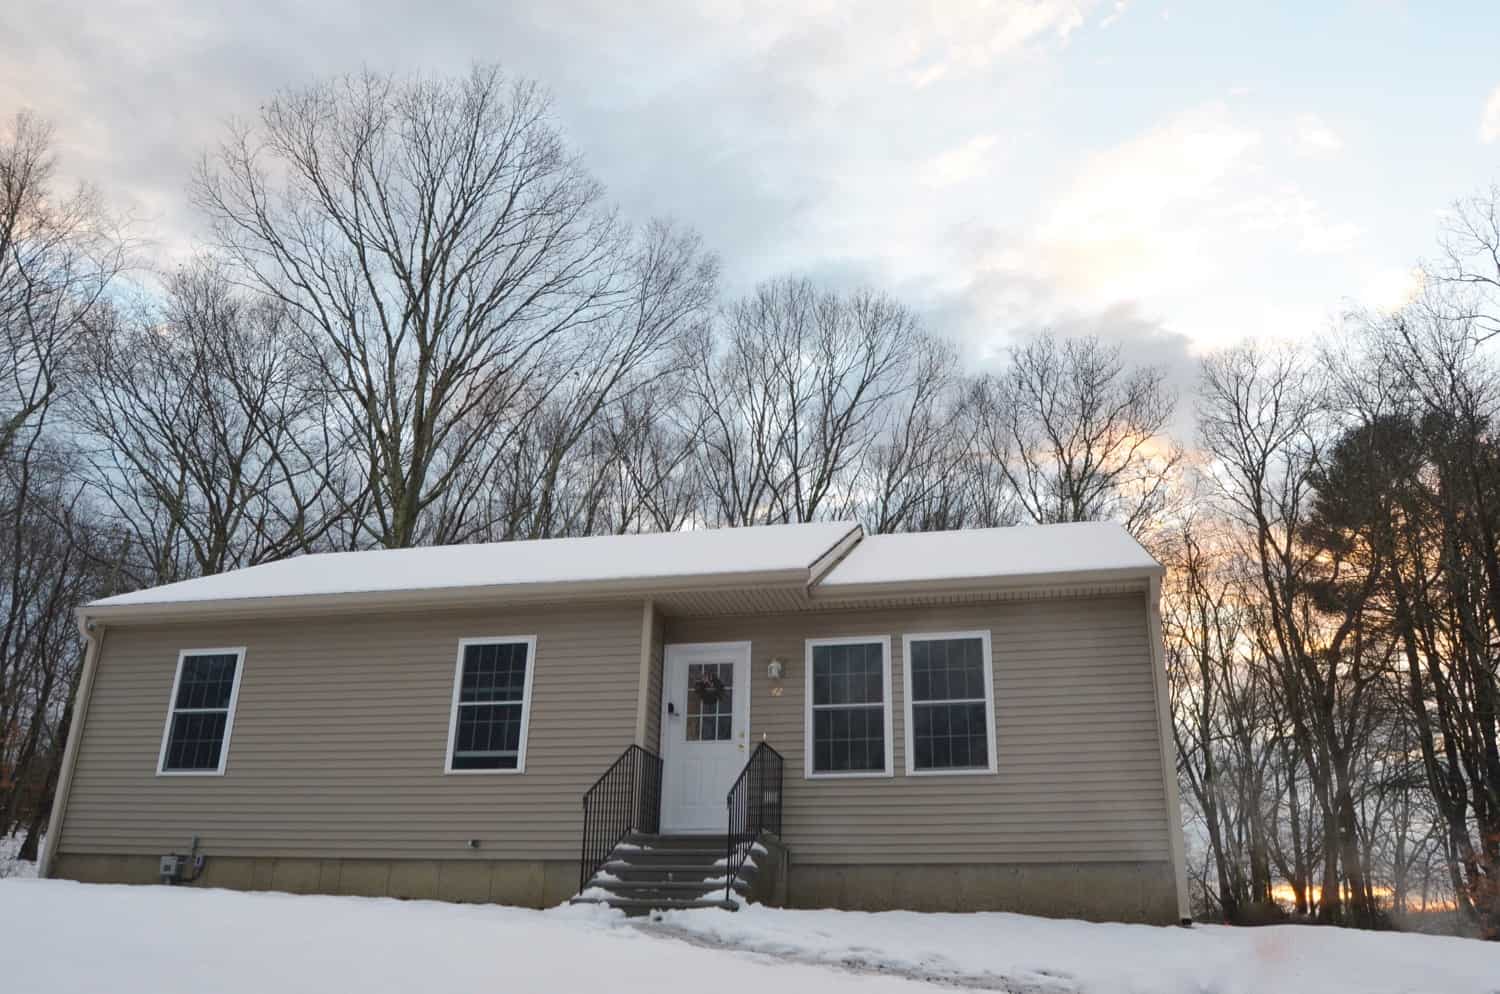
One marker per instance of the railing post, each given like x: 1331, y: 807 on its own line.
x: 751, y: 812
x: 626, y: 797
x: 583, y: 862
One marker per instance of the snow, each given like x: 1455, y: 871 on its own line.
x: 135, y: 940
x: 596, y: 893
x: 985, y: 553
x: 67, y: 938
x: 10, y: 866
x: 976, y: 554
x: 1047, y: 956
x: 669, y: 555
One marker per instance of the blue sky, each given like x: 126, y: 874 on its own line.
x: 1176, y: 176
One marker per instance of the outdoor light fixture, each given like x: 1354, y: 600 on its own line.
x: 776, y: 669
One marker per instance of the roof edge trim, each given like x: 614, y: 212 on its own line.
x: 845, y: 591
x: 419, y: 597
x: 835, y: 554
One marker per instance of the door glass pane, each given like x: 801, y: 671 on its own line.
x: 710, y: 702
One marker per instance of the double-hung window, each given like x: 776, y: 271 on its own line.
x: 848, y: 721
x: 950, y: 703
x: 491, y: 705
x: 200, y: 713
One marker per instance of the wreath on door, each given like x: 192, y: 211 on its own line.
x: 708, y: 687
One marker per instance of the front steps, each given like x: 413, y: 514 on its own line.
x: 648, y: 873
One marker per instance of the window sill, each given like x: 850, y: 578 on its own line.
x: 190, y: 773
x: 978, y: 771
x: 873, y: 775
x: 483, y: 773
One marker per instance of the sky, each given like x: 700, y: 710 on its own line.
x: 1174, y: 176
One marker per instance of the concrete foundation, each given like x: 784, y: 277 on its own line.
x: 1128, y: 892
x: 1132, y: 892
x: 523, y: 883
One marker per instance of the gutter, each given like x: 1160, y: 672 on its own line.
x: 93, y: 634
x: 978, y: 584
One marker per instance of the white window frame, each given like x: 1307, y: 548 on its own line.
x: 458, y: 677
x: 807, y: 709
x: 989, y: 703
x: 238, y: 652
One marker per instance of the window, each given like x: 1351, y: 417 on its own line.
x: 848, y: 726
x: 710, y: 702
x: 200, y: 712
x: 950, y: 703
x: 491, y: 705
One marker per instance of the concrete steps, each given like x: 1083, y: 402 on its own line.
x: 648, y: 873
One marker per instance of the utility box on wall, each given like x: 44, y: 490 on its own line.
x: 173, y: 868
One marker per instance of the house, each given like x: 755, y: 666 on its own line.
x: 959, y: 720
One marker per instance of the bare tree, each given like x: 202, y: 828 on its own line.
x: 1078, y: 435
x: 1225, y: 745
x: 209, y: 432
x: 918, y: 476
x: 51, y: 560
x: 1434, y: 476
x: 1264, y: 416
x: 58, y: 256
x: 792, y: 404
x: 453, y: 266
x: 655, y: 474
x: 1470, y: 262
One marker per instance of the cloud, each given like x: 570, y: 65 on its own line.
x: 763, y: 127
x: 1314, y: 138
x: 960, y: 163
x: 1129, y: 222
x: 964, y: 37
x: 1489, y: 120
x: 933, y: 150
x: 1289, y: 215
x: 1114, y: 15
x: 1176, y: 231
x: 1000, y: 309
x: 1389, y: 290
x: 1162, y: 211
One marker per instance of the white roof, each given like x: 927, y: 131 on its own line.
x: 990, y: 553
x: 662, y: 556
x: 679, y: 560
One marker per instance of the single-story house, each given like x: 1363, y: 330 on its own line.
x: 957, y: 720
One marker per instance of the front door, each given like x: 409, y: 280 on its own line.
x: 705, y: 725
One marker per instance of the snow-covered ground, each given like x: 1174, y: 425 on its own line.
x: 1017, y: 952
x: 10, y: 866
x: 62, y: 937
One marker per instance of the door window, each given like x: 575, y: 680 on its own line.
x: 710, y: 702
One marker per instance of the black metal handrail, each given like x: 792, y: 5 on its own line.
x: 625, y: 799
x: 754, y: 807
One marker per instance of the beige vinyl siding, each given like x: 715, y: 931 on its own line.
x: 340, y: 734
x: 1079, y: 765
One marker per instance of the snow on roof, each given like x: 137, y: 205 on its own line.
x: 989, y: 553
x: 661, y: 556
x: 676, y: 557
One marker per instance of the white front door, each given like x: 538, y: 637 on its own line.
x: 705, y: 722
